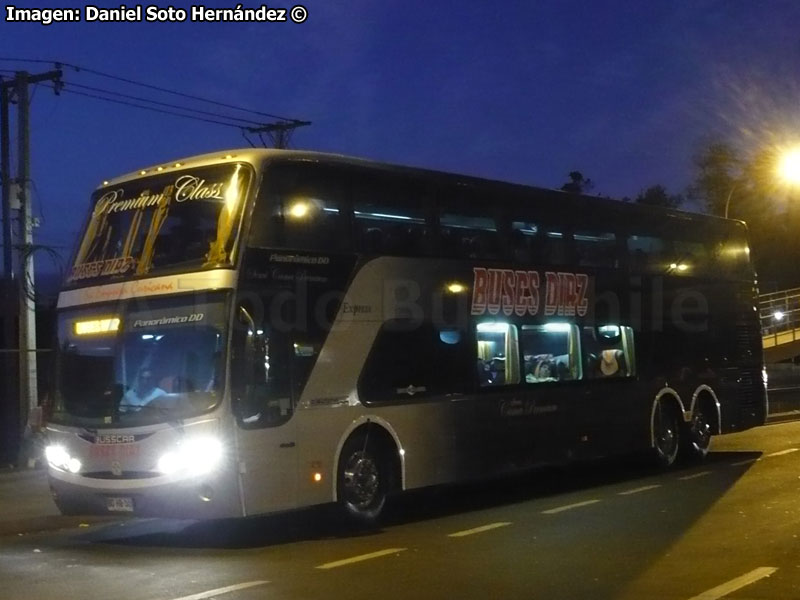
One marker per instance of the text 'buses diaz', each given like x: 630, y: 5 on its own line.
x: 265, y: 330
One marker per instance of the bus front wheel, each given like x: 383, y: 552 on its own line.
x: 363, y: 480
x: 666, y: 433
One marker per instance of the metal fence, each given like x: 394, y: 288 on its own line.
x: 780, y: 317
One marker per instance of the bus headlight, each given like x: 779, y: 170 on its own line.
x: 58, y: 457
x: 196, y: 456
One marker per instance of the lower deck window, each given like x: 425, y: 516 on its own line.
x: 412, y: 360
x: 498, y: 357
x: 608, y: 352
x: 550, y: 352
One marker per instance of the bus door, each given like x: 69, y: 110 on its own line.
x: 264, y: 400
x: 605, y: 411
x: 518, y: 418
x: 543, y: 422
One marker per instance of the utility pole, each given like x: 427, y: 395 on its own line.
x: 28, y: 389
x: 5, y: 173
x: 9, y: 409
x: 279, y: 132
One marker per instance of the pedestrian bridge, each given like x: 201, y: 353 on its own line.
x: 780, y: 324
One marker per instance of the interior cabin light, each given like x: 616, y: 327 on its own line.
x: 493, y: 327
x: 556, y: 327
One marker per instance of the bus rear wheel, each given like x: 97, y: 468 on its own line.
x: 666, y: 433
x: 697, y: 435
x: 363, y: 480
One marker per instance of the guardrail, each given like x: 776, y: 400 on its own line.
x: 780, y: 317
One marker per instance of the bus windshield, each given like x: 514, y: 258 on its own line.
x: 187, y: 219
x: 141, y: 365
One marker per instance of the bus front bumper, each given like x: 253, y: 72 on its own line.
x: 191, y: 498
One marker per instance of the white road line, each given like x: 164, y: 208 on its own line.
x: 559, y: 509
x: 480, y: 529
x: 359, y: 558
x: 782, y: 452
x: 644, y: 488
x: 735, y: 584
x: 220, y: 591
x: 745, y: 462
x: 694, y: 475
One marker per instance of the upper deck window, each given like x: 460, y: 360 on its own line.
x: 301, y: 207
x: 185, y: 220
x: 391, y: 217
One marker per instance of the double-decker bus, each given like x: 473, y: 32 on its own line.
x: 261, y: 330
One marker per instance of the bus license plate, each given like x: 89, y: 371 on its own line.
x: 119, y: 504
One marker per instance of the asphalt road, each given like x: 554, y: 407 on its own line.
x: 726, y: 529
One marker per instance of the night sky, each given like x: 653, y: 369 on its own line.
x: 524, y: 91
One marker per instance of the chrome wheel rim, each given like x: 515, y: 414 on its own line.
x: 361, y: 480
x: 666, y: 432
x: 701, y: 430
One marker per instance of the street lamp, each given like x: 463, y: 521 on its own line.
x: 788, y: 170
x: 789, y: 166
x: 728, y: 199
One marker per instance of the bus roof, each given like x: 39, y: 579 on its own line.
x: 260, y: 156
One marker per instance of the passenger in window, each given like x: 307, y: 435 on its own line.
x: 604, y: 357
x: 612, y: 363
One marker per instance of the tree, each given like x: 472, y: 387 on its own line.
x: 750, y: 188
x: 656, y: 195
x: 717, y: 171
x: 578, y: 184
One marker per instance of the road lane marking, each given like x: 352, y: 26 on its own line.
x: 220, y: 591
x: 782, y: 452
x: 694, y: 475
x: 559, y: 509
x: 644, y: 488
x: 745, y: 462
x: 480, y: 529
x: 359, y: 558
x: 735, y: 584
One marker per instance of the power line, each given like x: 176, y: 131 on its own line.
x: 158, y: 103
x: 147, y: 85
x: 151, y: 108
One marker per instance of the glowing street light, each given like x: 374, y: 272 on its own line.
x: 789, y: 166
x: 787, y: 170
x: 778, y: 315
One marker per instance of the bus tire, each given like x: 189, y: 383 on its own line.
x: 696, y: 437
x: 666, y: 433
x: 363, y: 479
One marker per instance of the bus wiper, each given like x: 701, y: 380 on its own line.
x: 174, y: 421
x: 138, y: 407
